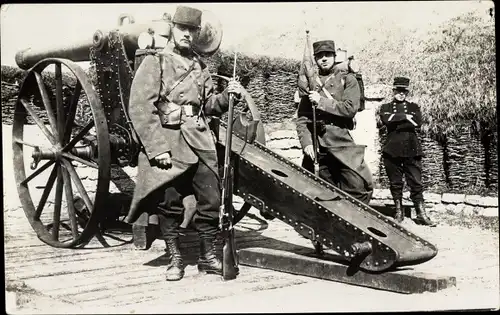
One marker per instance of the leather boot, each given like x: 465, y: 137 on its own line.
x: 422, y: 217
x: 399, y: 216
x: 208, y: 261
x: 175, y: 270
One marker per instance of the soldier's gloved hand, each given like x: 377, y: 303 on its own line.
x: 314, y: 97
x: 163, y: 160
x: 309, y: 151
x: 236, y: 88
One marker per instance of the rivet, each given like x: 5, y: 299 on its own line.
x: 324, y: 240
x: 387, y: 248
x: 301, y: 228
x: 376, y: 263
x: 338, y: 247
x: 296, y: 223
x: 385, y: 261
x: 331, y: 244
x: 309, y: 232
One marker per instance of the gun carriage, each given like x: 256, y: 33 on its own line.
x: 103, y: 136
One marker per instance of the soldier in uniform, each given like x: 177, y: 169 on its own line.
x: 402, y: 151
x: 341, y: 161
x: 170, y: 96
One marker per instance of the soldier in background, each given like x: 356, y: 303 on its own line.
x: 170, y: 96
x: 402, y: 151
x: 341, y: 161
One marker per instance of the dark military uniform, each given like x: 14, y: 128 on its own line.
x: 341, y: 161
x: 402, y: 151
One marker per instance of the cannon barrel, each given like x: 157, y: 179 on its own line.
x: 79, y: 49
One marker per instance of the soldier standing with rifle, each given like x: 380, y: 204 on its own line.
x: 170, y: 95
x: 326, y: 110
x: 402, y: 151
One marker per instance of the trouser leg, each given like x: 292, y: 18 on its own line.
x: 413, y: 174
x: 394, y: 170
x: 169, y: 212
x: 206, y: 187
x: 207, y: 190
x: 170, y: 208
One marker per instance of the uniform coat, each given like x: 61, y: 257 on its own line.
x: 334, y: 120
x: 402, y: 151
x: 188, y: 144
x: 402, y: 138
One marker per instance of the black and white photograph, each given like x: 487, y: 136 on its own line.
x: 249, y: 157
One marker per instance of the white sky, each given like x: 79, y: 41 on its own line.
x: 276, y: 29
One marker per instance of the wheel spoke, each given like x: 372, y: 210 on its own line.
x: 26, y: 143
x: 79, y: 159
x: 59, y: 103
x: 72, y: 112
x: 46, y: 192
x: 79, y: 186
x: 70, y: 204
x: 38, y: 171
x: 78, y: 137
x: 46, y: 102
x: 57, y: 205
x: 38, y: 121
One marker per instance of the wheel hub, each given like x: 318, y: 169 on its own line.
x: 55, y: 153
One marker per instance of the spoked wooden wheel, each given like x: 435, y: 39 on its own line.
x: 69, y: 139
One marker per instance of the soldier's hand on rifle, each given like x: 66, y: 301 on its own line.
x: 163, y: 160
x: 314, y: 97
x: 409, y: 116
x: 309, y: 151
x: 236, y: 88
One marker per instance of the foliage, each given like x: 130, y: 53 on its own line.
x: 453, y: 72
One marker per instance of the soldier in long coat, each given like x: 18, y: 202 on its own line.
x: 341, y: 160
x: 170, y: 96
x: 402, y: 151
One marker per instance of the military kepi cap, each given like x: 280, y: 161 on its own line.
x: 324, y: 46
x: 401, y: 83
x: 187, y: 16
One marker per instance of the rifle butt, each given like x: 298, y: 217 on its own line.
x: 229, y: 271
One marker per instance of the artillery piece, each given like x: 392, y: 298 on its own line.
x: 105, y: 137
x: 99, y: 136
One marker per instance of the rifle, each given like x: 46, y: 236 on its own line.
x: 229, y: 257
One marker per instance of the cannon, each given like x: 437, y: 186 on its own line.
x: 86, y: 130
